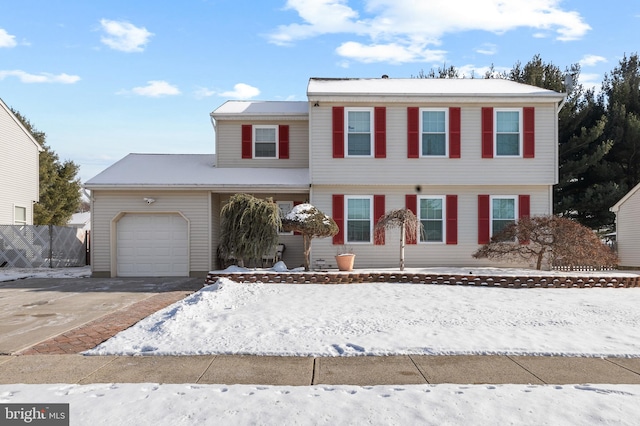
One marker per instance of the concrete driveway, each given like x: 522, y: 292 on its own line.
x: 36, y: 309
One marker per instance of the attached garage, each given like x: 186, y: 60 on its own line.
x: 152, y: 245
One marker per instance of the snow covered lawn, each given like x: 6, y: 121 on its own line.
x: 388, y: 319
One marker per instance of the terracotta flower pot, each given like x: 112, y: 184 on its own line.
x: 345, y: 261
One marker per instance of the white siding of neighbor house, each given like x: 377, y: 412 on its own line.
x: 471, y: 168
x: 19, y: 170
x: 628, y: 231
x: 229, y: 147
x: 193, y: 205
x: 423, y: 255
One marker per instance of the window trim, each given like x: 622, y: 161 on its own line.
x: 446, y: 132
x: 15, y: 220
x: 254, y: 129
x: 515, y: 199
x: 346, y: 218
x: 443, y: 220
x: 520, y: 132
x: 372, y: 131
x: 290, y: 204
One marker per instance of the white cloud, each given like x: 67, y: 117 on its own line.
x: 591, y: 60
x: 241, y: 91
x: 487, y: 49
x: 6, y: 39
x: 124, y: 36
x: 391, y: 52
x: 44, y: 77
x: 411, y: 26
x: 156, y: 89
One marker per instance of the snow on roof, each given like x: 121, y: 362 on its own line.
x: 424, y: 86
x: 262, y: 108
x: 193, y: 171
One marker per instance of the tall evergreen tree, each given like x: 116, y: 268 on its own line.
x: 59, y: 185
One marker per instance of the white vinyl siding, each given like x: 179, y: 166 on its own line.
x: 422, y: 255
x: 471, y: 168
x: 109, y: 206
x: 628, y: 231
x: 434, y: 129
x: 229, y: 146
x: 19, y: 170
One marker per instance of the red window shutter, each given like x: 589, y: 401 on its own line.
x: 524, y: 210
x: 338, y: 216
x: 483, y: 219
x: 529, y: 135
x: 454, y: 132
x: 283, y: 142
x: 452, y: 219
x: 411, y: 202
x: 524, y: 206
x: 413, y: 132
x: 338, y: 132
x: 247, y: 141
x: 487, y: 132
x: 378, y: 212
x: 380, y: 122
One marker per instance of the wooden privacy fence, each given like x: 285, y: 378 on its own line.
x: 37, y: 246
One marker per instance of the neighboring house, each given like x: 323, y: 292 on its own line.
x: 627, y: 212
x: 19, y: 170
x: 468, y: 156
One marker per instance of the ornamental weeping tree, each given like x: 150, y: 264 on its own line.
x: 404, y: 219
x: 556, y: 240
x: 311, y: 223
x: 248, y: 227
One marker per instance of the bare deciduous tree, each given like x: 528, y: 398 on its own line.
x: 554, y: 239
x: 403, y: 219
x: 311, y: 223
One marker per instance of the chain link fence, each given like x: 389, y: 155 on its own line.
x: 38, y: 246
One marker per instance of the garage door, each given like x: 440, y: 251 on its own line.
x: 152, y: 245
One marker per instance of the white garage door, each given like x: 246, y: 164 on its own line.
x: 152, y: 245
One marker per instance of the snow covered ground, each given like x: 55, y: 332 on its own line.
x: 367, y: 319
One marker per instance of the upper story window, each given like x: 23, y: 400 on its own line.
x: 433, y: 128
x: 359, y: 219
x: 431, y: 213
x: 20, y: 215
x: 359, y: 134
x: 508, y: 134
x: 503, y: 213
x: 265, y: 141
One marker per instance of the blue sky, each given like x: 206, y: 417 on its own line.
x: 106, y: 78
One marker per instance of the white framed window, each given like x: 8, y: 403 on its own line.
x: 285, y: 207
x: 19, y: 215
x: 265, y: 141
x: 432, y: 214
x: 508, y: 132
x: 504, y: 211
x: 358, y: 214
x: 359, y: 132
x: 434, y: 132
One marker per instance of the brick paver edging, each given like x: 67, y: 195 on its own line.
x: 91, y: 334
x: 567, y: 281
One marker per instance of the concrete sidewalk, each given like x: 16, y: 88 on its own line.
x: 305, y: 371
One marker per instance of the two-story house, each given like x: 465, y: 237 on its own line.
x: 468, y: 156
x: 19, y: 170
